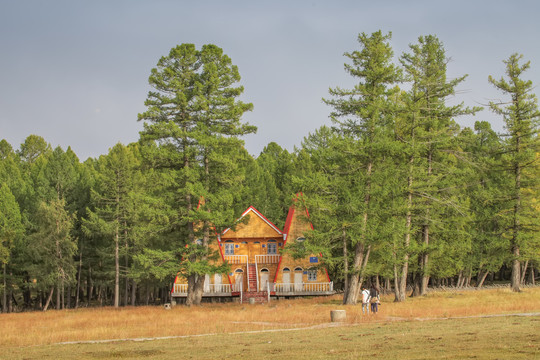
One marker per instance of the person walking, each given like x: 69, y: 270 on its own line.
x: 365, y: 300
x: 375, y: 299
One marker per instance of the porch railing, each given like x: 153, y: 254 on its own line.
x: 208, y: 289
x: 304, y: 287
x: 236, y: 259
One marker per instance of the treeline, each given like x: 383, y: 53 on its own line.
x: 397, y: 192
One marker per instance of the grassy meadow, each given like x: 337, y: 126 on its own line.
x: 468, y: 324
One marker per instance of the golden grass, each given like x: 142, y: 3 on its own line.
x: 37, y: 328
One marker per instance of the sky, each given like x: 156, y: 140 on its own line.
x: 76, y: 72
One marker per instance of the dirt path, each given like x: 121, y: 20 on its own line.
x: 318, y: 326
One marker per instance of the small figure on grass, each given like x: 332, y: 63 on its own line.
x: 365, y: 300
x: 375, y: 299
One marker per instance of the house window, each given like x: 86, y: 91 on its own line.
x: 300, y: 239
x: 312, y: 275
x: 272, y: 247
x: 229, y: 248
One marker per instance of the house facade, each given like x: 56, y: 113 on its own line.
x: 259, y: 268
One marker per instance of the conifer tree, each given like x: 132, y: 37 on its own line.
x: 427, y: 131
x: 11, y: 229
x: 365, y: 113
x: 521, y: 145
x: 194, y: 117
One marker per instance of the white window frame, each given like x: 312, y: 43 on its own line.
x: 312, y: 275
x: 229, y: 248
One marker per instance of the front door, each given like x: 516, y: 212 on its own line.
x: 217, y: 283
x: 263, y: 280
x: 287, y: 280
x: 298, y: 280
x: 238, y: 280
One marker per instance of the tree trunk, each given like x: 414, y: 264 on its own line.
x: 77, y: 293
x: 133, y: 292
x: 425, y: 261
x: 90, y: 290
x: 48, y: 299
x: 116, y: 266
x: 126, y: 264
x: 345, y: 266
x: 58, y: 296
x: 481, y: 279
x: 400, y: 282
x: 360, y: 259
x: 524, y: 272
x: 4, y: 296
x: 516, y: 268
x: 516, y: 276
x: 356, y: 277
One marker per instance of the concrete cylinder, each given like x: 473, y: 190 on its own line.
x: 338, y: 315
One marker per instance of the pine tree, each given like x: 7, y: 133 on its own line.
x: 194, y: 117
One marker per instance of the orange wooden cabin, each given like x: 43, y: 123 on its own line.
x: 259, y: 268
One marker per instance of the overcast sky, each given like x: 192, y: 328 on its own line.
x: 76, y: 72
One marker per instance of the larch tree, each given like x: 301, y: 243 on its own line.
x: 194, y: 116
x: 427, y: 131
x: 114, y: 206
x: 11, y: 229
x: 520, y: 147
x: 365, y: 113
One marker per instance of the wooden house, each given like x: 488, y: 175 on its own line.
x: 259, y: 267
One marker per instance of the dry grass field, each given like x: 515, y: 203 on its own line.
x: 440, y: 325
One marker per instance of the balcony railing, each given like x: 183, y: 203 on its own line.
x: 236, y: 259
x: 267, y: 259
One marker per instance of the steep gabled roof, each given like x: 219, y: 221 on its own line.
x: 287, y: 229
x: 252, y: 210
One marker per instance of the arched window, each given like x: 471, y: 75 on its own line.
x: 298, y: 269
x: 238, y: 271
x: 286, y: 269
x: 265, y: 270
x: 300, y: 239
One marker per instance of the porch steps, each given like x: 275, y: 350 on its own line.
x: 261, y: 297
x: 252, y: 277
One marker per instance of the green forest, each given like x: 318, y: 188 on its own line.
x: 398, y: 192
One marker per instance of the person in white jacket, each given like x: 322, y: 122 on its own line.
x: 365, y: 300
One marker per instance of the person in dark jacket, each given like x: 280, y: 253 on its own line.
x: 375, y: 299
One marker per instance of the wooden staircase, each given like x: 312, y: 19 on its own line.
x: 252, y: 278
x: 260, y: 297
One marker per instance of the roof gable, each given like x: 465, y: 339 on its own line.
x: 258, y: 226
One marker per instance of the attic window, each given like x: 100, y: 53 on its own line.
x: 300, y: 239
